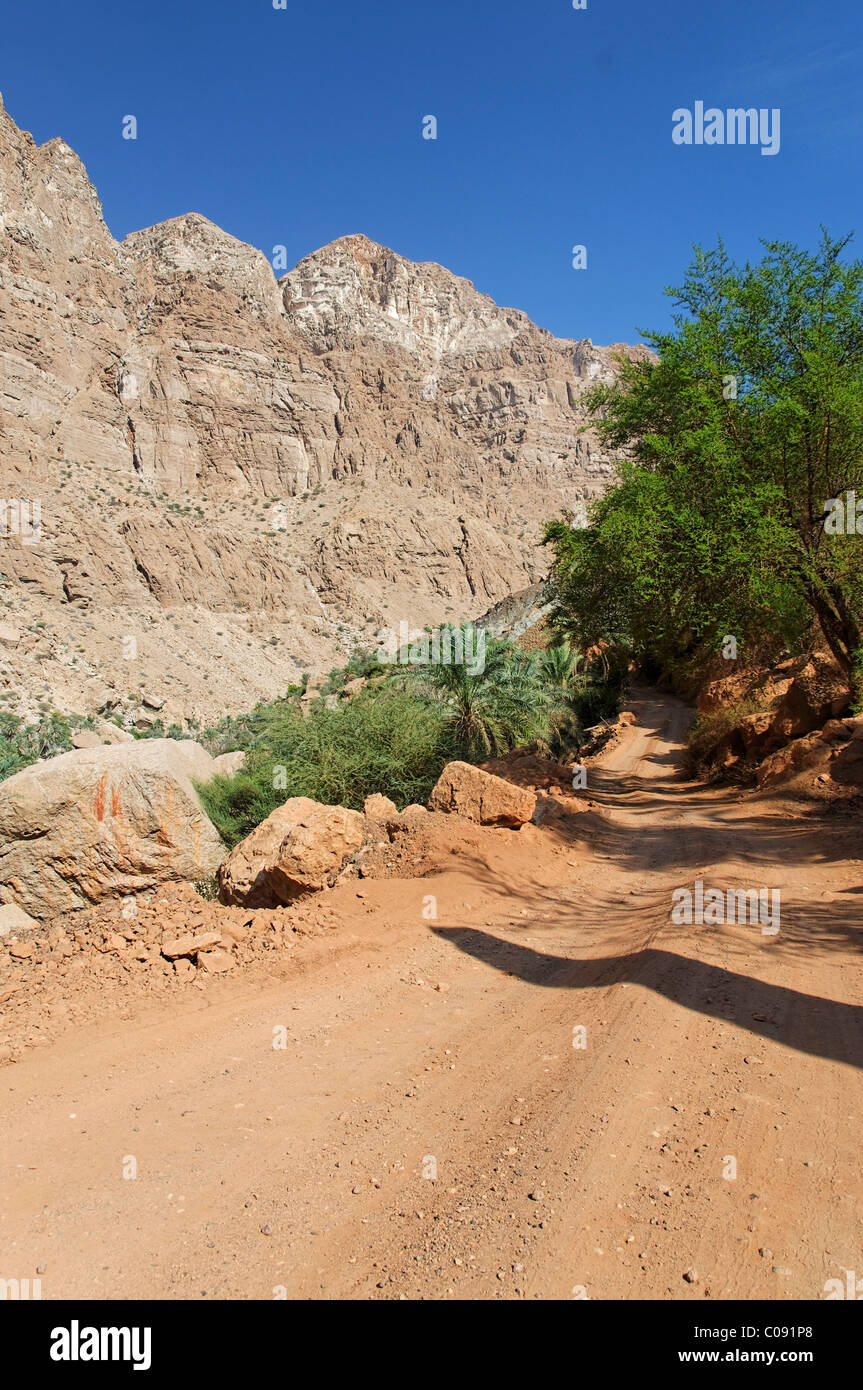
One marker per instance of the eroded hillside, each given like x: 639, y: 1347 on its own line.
x: 245, y: 475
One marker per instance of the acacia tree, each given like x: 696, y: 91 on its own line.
x: 733, y: 439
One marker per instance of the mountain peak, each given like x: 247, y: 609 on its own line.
x: 354, y: 288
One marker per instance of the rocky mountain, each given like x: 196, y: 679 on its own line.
x: 224, y: 479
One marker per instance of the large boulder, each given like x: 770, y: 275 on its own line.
x: 229, y: 764
x: 300, y: 848
x: 86, y: 738
x: 101, y: 822
x: 747, y: 739
x: 817, y: 693
x: 243, y: 874
x: 834, y: 753
x: 479, y: 796
x: 104, y: 732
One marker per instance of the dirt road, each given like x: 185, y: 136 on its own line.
x: 430, y: 1130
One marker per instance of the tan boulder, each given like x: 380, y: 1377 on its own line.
x: 14, y: 918
x: 754, y: 731
x: 242, y: 875
x: 301, y: 847
x: 228, y: 764
x: 467, y: 791
x: 215, y: 962
x: 112, y: 733
x: 190, y: 944
x: 104, y: 732
x: 379, y: 807
x: 103, y: 822
x: 86, y: 738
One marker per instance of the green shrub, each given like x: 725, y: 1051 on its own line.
x: 392, y: 742
x: 708, y: 728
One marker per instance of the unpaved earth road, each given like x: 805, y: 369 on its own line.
x: 710, y: 1128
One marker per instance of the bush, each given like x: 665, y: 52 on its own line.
x: 22, y: 744
x: 709, y: 728
x: 391, y: 742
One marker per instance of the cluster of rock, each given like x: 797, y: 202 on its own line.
x: 304, y: 846
x: 116, y: 820
x: 801, y: 729
x: 93, y: 962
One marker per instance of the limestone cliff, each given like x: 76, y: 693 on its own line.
x: 248, y: 476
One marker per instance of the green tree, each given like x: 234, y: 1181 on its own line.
x: 492, y: 709
x: 733, y: 439
x: 558, y: 664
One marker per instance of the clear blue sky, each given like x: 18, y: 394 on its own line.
x: 297, y: 126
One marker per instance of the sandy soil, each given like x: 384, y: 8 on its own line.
x: 430, y: 1131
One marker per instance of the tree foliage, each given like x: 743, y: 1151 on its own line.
x: 490, y: 710
x: 732, y: 441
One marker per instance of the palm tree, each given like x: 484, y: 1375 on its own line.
x: 558, y: 665
x: 493, y: 709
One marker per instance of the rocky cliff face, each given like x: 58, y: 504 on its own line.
x: 248, y: 476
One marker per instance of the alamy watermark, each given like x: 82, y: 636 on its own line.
x: 21, y: 516
x: 702, y: 906
x: 851, y: 1288
x: 734, y: 126
x: 77, y: 1343
x: 18, y: 1290
x: 443, y: 646
x: 844, y: 515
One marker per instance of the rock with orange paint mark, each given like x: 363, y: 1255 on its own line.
x: 105, y: 822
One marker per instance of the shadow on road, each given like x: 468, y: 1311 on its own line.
x: 807, y: 1023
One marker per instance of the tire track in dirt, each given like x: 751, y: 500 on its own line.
x: 558, y: 1168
